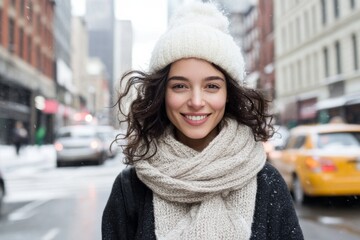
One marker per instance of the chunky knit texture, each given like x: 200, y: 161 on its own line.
x: 208, y: 194
x: 274, y: 217
x: 199, y: 30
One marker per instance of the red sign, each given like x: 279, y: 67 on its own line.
x: 51, y: 106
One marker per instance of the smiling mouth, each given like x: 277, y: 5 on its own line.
x: 196, y: 118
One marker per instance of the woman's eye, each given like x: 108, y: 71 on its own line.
x: 213, y: 86
x: 178, y: 86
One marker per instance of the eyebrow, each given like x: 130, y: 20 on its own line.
x: 181, y: 78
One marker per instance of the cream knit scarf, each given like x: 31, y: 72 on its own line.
x: 208, y: 194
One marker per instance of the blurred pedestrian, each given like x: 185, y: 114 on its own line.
x: 40, y: 135
x: 337, y: 119
x: 19, y: 136
x: 198, y: 167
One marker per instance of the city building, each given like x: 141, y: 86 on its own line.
x: 79, y: 42
x: 250, y: 44
x: 65, y: 88
x: 98, y: 89
x: 122, y: 49
x: 317, y: 60
x: 27, y: 86
x: 251, y: 25
x: 100, y: 20
x: 266, y: 48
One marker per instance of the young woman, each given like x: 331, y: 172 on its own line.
x: 194, y: 131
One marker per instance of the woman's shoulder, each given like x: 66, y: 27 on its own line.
x: 270, y: 178
x: 128, y: 179
x: 268, y: 171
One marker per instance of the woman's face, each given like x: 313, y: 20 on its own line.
x: 195, y: 101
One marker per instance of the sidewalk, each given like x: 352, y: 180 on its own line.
x: 29, y: 156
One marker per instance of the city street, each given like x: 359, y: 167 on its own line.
x: 45, y: 203
x: 48, y: 203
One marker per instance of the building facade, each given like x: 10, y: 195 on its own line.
x: 65, y: 88
x: 79, y: 43
x: 267, y: 49
x: 100, y: 20
x: 99, y: 97
x: 27, y: 86
x: 317, y: 60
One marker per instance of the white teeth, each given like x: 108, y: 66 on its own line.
x: 195, y: 118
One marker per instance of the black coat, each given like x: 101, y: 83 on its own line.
x: 274, y: 217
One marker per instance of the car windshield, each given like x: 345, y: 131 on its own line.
x: 342, y: 139
x: 76, y: 133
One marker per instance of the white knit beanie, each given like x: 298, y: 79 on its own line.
x: 199, y: 30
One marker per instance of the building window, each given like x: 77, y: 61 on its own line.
x: 352, y: 4
x: 29, y: 49
x: 307, y: 79
x: 326, y: 61
x: 316, y: 76
x: 38, y: 24
x: 291, y: 34
x: 336, y: 9
x: 307, y: 25
x: 292, y: 75
x: 13, y: 3
x: 338, y: 57
x: 314, y: 18
x: 282, y: 7
x: 299, y: 73
x: 1, y: 29
x: 355, y: 51
x: 21, y: 42
x: 29, y: 14
x: 283, y: 37
x: 22, y: 7
x: 38, y: 58
x: 298, y: 30
x: 11, y: 43
x: 285, y: 78
x: 323, y: 11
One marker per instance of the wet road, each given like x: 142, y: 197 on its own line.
x: 54, y: 204
x: 47, y: 203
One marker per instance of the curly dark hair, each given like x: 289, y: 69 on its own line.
x: 146, y: 118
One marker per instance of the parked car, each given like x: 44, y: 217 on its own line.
x: 322, y: 160
x: 78, y: 143
x: 2, y: 190
x: 108, y: 135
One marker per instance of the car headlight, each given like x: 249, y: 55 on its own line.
x: 58, y: 146
x: 95, y: 144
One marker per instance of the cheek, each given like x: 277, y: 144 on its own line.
x: 172, y: 101
x: 219, y: 105
x: 218, y: 102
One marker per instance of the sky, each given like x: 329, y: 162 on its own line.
x: 149, y: 22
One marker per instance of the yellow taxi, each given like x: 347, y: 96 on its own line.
x: 321, y: 160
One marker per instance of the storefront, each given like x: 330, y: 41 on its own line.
x: 15, y: 105
x: 307, y: 111
x: 347, y: 107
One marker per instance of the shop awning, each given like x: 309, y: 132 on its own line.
x: 51, y: 106
x: 338, y: 102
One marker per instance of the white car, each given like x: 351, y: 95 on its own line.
x: 108, y: 135
x: 76, y: 144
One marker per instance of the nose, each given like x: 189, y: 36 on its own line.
x: 196, y: 99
